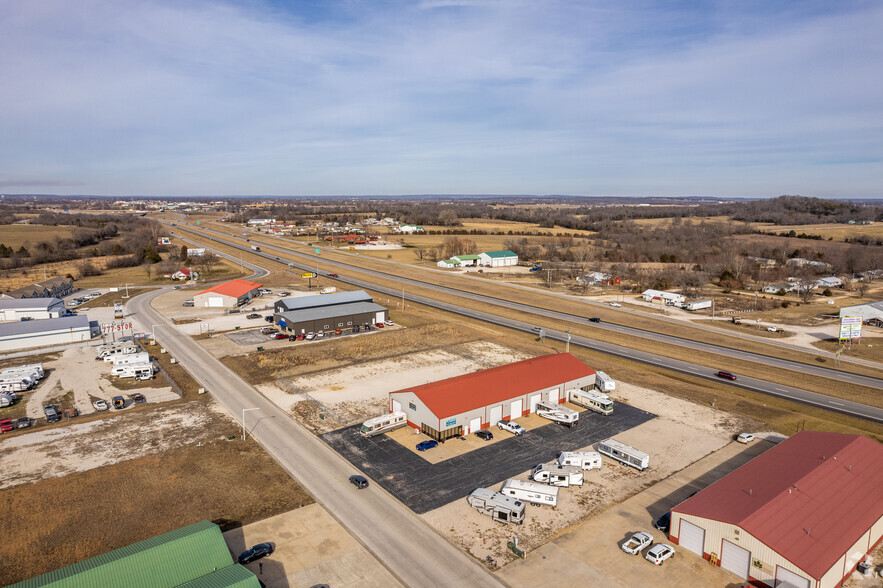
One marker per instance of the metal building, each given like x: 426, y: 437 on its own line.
x: 15, y: 309
x: 41, y: 333
x: 323, y: 312
x: 801, y: 515
x: 227, y: 295
x: 497, y: 258
x: 464, y: 404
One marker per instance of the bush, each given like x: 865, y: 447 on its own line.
x: 785, y: 304
x: 827, y: 292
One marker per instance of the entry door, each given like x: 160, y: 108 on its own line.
x: 788, y: 579
x: 735, y: 559
x: 692, y: 538
x: 474, y: 425
x: 534, y: 400
x: 515, y: 410
x: 496, y: 415
x: 396, y: 406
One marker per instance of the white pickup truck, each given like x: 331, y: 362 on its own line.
x: 638, y: 542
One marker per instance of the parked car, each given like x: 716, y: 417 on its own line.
x: 663, y: 522
x: 378, y: 325
x: 119, y: 402
x: 726, y: 375
x: 359, y: 482
x: 253, y: 315
x: 771, y: 329
x: 100, y: 405
x: 484, y: 434
x: 70, y: 413
x: 51, y: 413
x: 283, y: 293
x: 337, y: 331
x: 84, y: 309
x: 595, y: 319
x: 269, y: 319
x: 265, y: 291
x: 320, y: 334
x: 24, y: 422
x: 615, y: 304
x: 187, y: 303
x: 259, y: 551
x: 659, y: 553
x: 6, y: 425
x: 511, y: 426
x: 389, y: 323
x: 301, y: 336
x: 310, y: 336
x: 637, y: 543
x: 292, y: 337
x: 745, y: 438
x: 137, y: 398
x: 356, y: 329
x: 280, y: 336
x: 429, y: 444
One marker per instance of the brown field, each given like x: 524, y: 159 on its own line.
x: 17, y: 235
x: 59, y: 521
x: 667, y: 222
x: 838, y: 232
x: 870, y: 348
x: 479, y: 224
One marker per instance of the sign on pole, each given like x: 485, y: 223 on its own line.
x: 308, y: 275
x: 850, y: 328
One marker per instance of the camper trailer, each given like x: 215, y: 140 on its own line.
x: 560, y: 414
x: 7, y: 399
x: 33, y: 368
x: 141, y: 371
x: 584, y: 460
x: 382, y: 424
x: 557, y: 475
x: 591, y: 399
x: 17, y: 374
x: 131, y: 359
x: 531, y: 492
x: 14, y: 384
x: 114, y: 350
x: 604, y: 382
x: 501, y: 508
x: 624, y: 454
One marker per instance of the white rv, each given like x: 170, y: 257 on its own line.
x: 14, y: 384
x: 538, y: 494
x: 32, y: 368
x: 382, y: 424
x: 624, y: 454
x: 557, y: 475
x: 7, y: 399
x: 16, y: 374
x: 604, y: 382
x: 558, y: 413
x: 114, y: 350
x: 131, y: 359
x: 501, y: 508
x: 584, y: 460
x: 141, y: 371
x: 591, y: 399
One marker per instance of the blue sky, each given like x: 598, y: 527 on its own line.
x: 730, y: 99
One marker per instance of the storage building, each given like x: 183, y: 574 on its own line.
x: 16, y: 309
x: 661, y: 296
x: 467, y: 403
x: 54, y: 331
x: 801, y: 515
x: 870, y: 311
x: 497, y: 258
x: 323, y: 312
x: 227, y: 295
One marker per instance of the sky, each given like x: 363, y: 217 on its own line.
x: 257, y: 97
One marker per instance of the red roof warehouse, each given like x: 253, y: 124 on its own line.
x: 462, y: 404
x: 228, y: 294
x: 804, y: 513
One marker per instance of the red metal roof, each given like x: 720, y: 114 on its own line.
x: 809, y: 498
x: 470, y: 391
x: 236, y: 288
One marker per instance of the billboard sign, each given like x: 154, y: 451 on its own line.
x: 308, y: 275
x: 850, y: 327
x: 163, y: 241
x: 196, y: 252
x: 108, y: 328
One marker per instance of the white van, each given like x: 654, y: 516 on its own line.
x: 531, y: 492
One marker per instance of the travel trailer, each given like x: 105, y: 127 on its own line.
x: 624, y: 454
x: 32, y: 368
x: 131, y: 359
x: 604, y: 382
x: 560, y: 414
x: 531, y: 492
x: 382, y: 424
x: 584, y: 460
x: 501, y: 508
x: 143, y: 371
x: 591, y: 399
x: 557, y: 475
x: 113, y: 350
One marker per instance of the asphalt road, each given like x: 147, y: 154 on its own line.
x: 424, y: 486
x: 744, y: 381
x: 401, y: 541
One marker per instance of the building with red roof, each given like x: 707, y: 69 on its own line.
x: 227, y: 295
x: 467, y: 403
x: 802, y: 514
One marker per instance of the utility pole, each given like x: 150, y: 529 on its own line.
x: 403, y: 300
x: 569, y: 336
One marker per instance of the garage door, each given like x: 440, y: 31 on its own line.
x: 691, y: 537
x: 216, y: 301
x: 534, y: 400
x: 786, y: 579
x: 552, y: 395
x: 496, y: 415
x: 396, y: 406
x: 474, y: 425
x: 378, y: 317
x: 735, y: 559
x: 515, y: 410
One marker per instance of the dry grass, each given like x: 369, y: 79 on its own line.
x: 59, y: 521
x: 16, y: 236
x: 189, y: 386
x: 837, y: 232
x: 870, y: 348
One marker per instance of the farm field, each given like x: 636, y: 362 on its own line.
x: 16, y: 236
x: 836, y: 231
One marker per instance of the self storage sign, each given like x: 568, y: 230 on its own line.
x: 109, y: 328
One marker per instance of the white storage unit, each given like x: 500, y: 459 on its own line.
x: 474, y: 425
x: 553, y: 395
x: 515, y: 409
x: 788, y: 579
x: 534, y: 400
x: 692, y: 537
x: 496, y: 415
x: 735, y: 559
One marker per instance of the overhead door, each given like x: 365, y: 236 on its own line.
x: 474, y: 425
x: 515, y: 410
x: 534, y: 400
x: 215, y: 301
x: 396, y: 406
x: 378, y: 317
x: 735, y: 559
x: 552, y: 395
x: 496, y: 415
x: 788, y: 579
x: 691, y: 537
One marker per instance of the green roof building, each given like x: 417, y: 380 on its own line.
x: 498, y: 258
x: 195, y: 556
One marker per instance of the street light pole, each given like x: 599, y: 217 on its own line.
x: 127, y: 289
x: 567, y: 349
x: 153, y: 331
x: 244, y: 410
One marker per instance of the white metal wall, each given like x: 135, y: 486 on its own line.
x: 15, y: 343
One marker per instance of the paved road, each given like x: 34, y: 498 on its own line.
x: 408, y: 547
x: 747, y: 382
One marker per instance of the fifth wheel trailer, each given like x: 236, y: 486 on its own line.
x: 558, y: 413
x: 624, y: 454
x: 501, y: 508
x: 531, y: 492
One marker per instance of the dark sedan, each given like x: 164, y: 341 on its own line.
x: 359, y: 482
x: 484, y: 434
x: 663, y: 522
x: 726, y: 375
x: 424, y: 445
x: 257, y: 552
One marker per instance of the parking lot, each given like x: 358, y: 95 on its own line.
x: 424, y: 486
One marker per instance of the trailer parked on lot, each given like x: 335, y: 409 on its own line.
x: 15, y: 384
x: 131, y: 359
x: 584, y: 460
x: 591, y: 399
x: 32, y: 368
x: 560, y: 414
x: 697, y: 305
x: 557, y: 475
x: 501, y: 508
x: 531, y: 492
x: 111, y: 350
x: 624, y: 454
x: 604, y: 382
x: 382, y: 424
x: 141, y: 371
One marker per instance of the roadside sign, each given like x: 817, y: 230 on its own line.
x: 851, y: 327
x: 308, y: 275
x: 317, y: 250
x: 107, y: 328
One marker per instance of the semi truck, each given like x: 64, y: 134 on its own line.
x: 531, y: 492
x: 501, y: 508
x: 591, y: 399
x: 624, y: 454
x: 557, y: 475
x: 255, y: 248
x: 584, y: 460
x: 604, y: 382
x: 560, y: 414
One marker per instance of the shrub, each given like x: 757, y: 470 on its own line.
x: 785, y: 304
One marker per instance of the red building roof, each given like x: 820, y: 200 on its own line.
x: 236, y: 288
x: 471, y: 391
x: 808, y: 499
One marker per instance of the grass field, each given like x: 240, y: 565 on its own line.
x: 28, y: 235
x: 837, y: 232
x: 870, y: 348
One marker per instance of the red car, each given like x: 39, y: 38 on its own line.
x: 378, y: 325
x: 280, y: 336
x: 332, y: 275
x: 726, y: 375
x: 300, y: 336
x: 6, y: 425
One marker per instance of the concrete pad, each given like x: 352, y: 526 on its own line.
x: 311, y: 548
